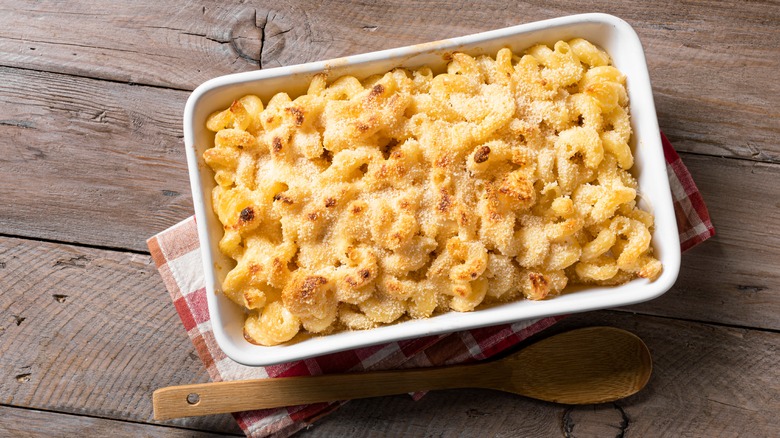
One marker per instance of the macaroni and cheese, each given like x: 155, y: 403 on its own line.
x: 405, y: 194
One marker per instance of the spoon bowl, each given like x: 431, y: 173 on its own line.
x: 584, y: 366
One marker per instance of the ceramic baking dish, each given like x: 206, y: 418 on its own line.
x: 610, y: 33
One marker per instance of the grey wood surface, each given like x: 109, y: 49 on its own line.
x: 92, y: 164
x: 22, y: 423
x: 693, y: 392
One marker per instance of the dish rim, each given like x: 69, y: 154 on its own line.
x: 639, y: 84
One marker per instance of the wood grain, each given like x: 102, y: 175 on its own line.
x: 743, y: 290
x: 712, y: 63
x: 118, y: 183
x: 89, y: 161
x: 695, y: 391
x: 92, y: 331
x: 88, y: 331
x: 23, y: 423
x: 732, y: 278
x: 91, y: 157
x: 109, y: 153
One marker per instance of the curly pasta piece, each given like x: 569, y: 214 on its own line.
x: 638, y: 241
x: 540, y: 285
x: 602, y: 243
x: 382, y: 308
x: 503, y: 277
x: 600, y: 269
x: 467, y: 296
x: 312, y: 299
x: 275, y: 325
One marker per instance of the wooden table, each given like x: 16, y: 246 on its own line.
x: 92, y: 163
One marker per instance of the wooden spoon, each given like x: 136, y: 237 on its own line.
x: 590, y: 365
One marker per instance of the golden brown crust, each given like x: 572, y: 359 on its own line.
x: 410, y: 193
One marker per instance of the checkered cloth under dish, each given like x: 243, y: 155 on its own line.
x: 176, y: 252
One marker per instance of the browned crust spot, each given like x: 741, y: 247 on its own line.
x: 283, y: 198
x: 519, y: 158
x: 246, y: 215
x: 313, y: 216
x: 481, y: 155
x: 310, y: 284
x: 376, y: 91
x: 330, y: 202
x: 445, y: 202
x: 364, y: 273
x: 276, y: 144
x: 517, y: 187
x: 464, y: 218
x: 252, y: 300
x: 539, y: 284
x: 460, y: 291
x: 443, y: 161
x: 297, y: 114
x: 383, y: 172
x: 393, y: 286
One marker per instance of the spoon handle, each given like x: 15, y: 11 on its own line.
x: 244, y: 395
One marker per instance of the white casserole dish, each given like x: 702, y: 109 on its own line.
x: 610, y: 33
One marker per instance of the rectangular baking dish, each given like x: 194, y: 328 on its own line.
x: 610, y: 33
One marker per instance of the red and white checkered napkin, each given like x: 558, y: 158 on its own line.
x: 176, y: 253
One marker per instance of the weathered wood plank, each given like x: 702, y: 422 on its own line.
x: 118, y: 183
x: 732, y: 278
x: 178, y: 45
x: 121, y: 175
x: 23, y: 423
x: 707, y: 381
x: 89, y: 331
x: 90, y: 161
x: 148, y: 42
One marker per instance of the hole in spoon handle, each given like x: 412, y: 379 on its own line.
x: 193, y: 398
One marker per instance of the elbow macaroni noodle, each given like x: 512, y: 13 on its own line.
x: 409, y: 193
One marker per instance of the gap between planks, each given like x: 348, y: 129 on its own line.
x: 76, y: 244
x: 57, y: 420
